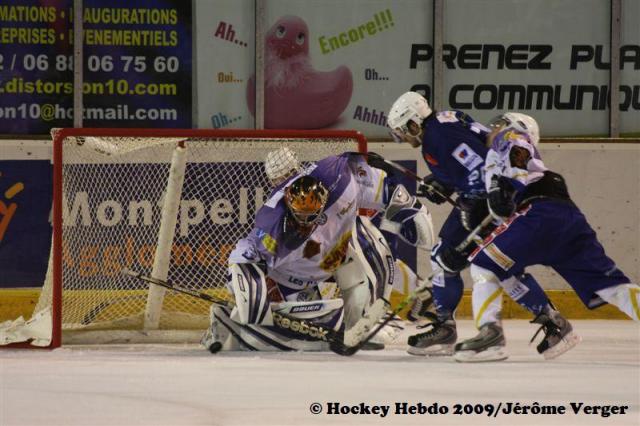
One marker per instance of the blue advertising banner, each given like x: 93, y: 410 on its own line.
x: 25, y: 231
x: 137, y: 64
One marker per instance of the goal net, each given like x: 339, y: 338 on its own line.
x: 170, y: 204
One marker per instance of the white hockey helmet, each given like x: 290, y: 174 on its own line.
x: 411, y: 106
x: 520, y: 122
x: 281, y: 164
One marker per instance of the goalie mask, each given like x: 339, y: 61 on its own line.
x: 406, y: 116
x: 522, y: 123
x: 306, y: 199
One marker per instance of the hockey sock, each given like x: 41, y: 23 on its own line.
x: 526, y: 291
x: 447, y: 292
x: 625, y: 296
x: 486, y: 300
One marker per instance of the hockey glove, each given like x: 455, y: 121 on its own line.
x: 423, y: 307
x: 472, y: 212
x: 377, y: 161
x: 452, y: 260
x: 433, y: 190
x: 500, y: 198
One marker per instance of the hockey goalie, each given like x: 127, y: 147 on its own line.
x: 309, y: 232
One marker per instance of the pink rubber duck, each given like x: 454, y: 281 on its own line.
x: 296, y: 95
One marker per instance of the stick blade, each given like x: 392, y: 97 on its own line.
x: 340, y: 348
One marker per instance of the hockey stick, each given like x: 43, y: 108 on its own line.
x: 178, y: 288
x: 345, y: 350
x: 376, y: 160
x: 334, y: 338
x: 473, y: 235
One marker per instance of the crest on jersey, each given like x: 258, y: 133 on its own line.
x: 467, y: 157
x: 311, y: 248
x: 336, y: 255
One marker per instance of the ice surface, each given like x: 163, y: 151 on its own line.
x: 185, y: 385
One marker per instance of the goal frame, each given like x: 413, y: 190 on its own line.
x: 60, y: 134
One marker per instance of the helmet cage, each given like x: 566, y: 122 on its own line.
x: 401, y: 132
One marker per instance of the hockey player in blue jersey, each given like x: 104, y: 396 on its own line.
x: 542, y: 226
x: 454, y: 147
x: 307, y: 232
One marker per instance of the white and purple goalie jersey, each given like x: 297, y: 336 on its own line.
x: 297, y: 262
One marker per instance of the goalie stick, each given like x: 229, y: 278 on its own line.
x: 178, y: 288
x: 334, y: 338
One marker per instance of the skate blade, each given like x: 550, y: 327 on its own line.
x: 495, y: 353
x: 567, y: 342
x: 435, y: 350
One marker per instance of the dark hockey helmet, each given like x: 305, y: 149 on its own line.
x: 306, y: 199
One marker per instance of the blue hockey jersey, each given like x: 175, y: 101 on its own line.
x: 454, y: 147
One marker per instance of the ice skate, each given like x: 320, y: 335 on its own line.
x: 558, y: 334
x: 488, y: 345
x: 438, y: 341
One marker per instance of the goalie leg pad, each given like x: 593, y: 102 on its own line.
x: 405, y: 279
x: 409, y: 219
x: 328, y: 313
x: 367, y: 273
x: 249, y: 287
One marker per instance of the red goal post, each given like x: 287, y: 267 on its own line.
x: 169, y: 203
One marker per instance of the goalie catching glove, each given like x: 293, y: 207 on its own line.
x: 406, y: 217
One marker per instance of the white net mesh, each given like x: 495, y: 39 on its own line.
x: 113, y: 191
